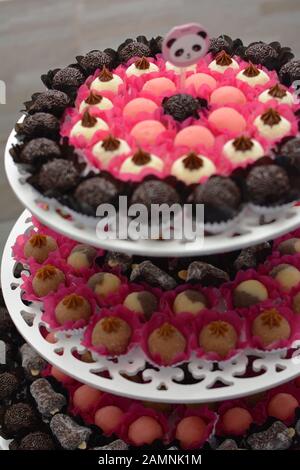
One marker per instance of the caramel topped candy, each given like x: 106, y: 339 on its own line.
x: 190, y: 301
x: 166, y: 342
x: 47, y: 279
x: 271, y: 326
x: 73, y: 307
x: 112, y: 333
x: 287, y: 275
x: 218, y: 336
x: 82, y: 256
x: 104, y: 284
x: 39, y: 246
x: 141, y: 302
x: 249, y: 293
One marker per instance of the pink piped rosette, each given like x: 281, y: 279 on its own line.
x: 207, y: 317
x: 51, y: 301
x: 157, y: 320
x: 119, y: 312
x: 227, y: 289
x: 209, y: 417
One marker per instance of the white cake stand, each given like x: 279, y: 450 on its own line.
x: 197, y: 381
x: 246, y: 232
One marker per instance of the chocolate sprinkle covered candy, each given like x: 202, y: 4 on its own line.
x: 38, y: 151
x: 225, y: 43
x: 252, y: 256
x: 267, y: 185
x: 130, y: 49
x: 68, y: 80
x: 206, y: 274
x: 119, y: 261
x: 95, y: 191
x: 290, y: 72
x: 94, y: 60
x: 290, y: 152
x: 8, y: 385
x: 228, y: 444
x: 48, y: 401
x: 32, y: 362
x: 261, y: 53
x: 155, y: 192
x: 50, y: 101
x: 183, y: 106
x: 70, y: 435
x: 39, y: 125
x: 115, y: 445
x: 60, y: 175
x: 148, y: 272
x: 276, y: 437
x: 18, y: 417
x: 36, y: 441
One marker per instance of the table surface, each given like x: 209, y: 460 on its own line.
x: 40, y: 34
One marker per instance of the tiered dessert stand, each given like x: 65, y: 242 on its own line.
x: 197, y: 381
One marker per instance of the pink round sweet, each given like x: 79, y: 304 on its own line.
x: 86, y: 397
x: 192, y: 136
x: 60, y: 376
x: 227, y: 119
x: 137, y: 106
x: 199, y: 79
x: 236, y: 421
x: 146, y: 132
x: 51, y: 338
x: 282, y: 406
x: 190, y: 431
x: 159, y: 86
x: 108, y: 418
x: 144, y: 430
x: 227, y: 95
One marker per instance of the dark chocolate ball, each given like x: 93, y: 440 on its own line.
x: 133, y: 49
x: 37, y: 441
x: 94, y: 60
x: 19, y: 416
x: 41, y: 125
x: 181, y: 106
x: 40, y: 150
x: 221, y: 198
x: 155, y: 192
x: 50, y: 101
x: 290, y: 72
x: 219, y: 44
x: 95, y: 191
x: 68, y: 79
x: 8, y: 385
x: 291, y: 148
x: 58, y: 174
x: 260, y: 53
x: 267, y: 185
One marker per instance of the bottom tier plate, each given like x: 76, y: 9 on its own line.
x: 197, y: 381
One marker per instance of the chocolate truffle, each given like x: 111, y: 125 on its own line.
x: 190, y: 301
x: 32, y: 362
x: 108, y: 418
x: 219, y: 337
x: 236, y: 421
x: 221, y: 43
x: 289, y: 247
x: 190, y: 431
x: 39, y: 247
x: 206, y: 274
x: 82, y: 256
x: 144, y: 430
x: 40, y: 125
x: 72, y: 307
x: 290, y: 72
x: 276, y: 437
x: 95, y: 191
x: 141, y: 302
x: 112, y: 333
x: 155, y: 192
x: 131, y: 49
x: 271, y: 326
x: 182, y: 106
x: 287, y: 275
x: 85, y: 398
x: 50, y: 101
x: 221, y: 197
x: 153, y: 275
x: 47, y: 279
x: 267, y: 185
x: 37, y: 441
x: 104, y: 284
x: 94, y: 60
x: 296, y: 303
x: 249, y: 293
x: 192, y: 168
x: 8, y: 385
x: 38, y: 151
x: 60, y: 175
x: 283, y: 406
x: 48, y: 401
x: 260, y: 53
x: 68, y: 79
x: 19, y: 417
x: 166, y: 342
x: 69, y: 434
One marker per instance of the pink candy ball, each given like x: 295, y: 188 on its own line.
x: 86, y: 397
x: 159, y: 86
x: 194, y: 135
x: 282, y: 406
x: 51, y: 338
x: 190, y: 431
x: 60, y: 376
x: 137, y: 106
x: 227, y: 95
x: 144, y: 430
x: 199, y: 79
x: 108, y: 418
x: 146, y: 132
x: 236, y: 421
x: 227, y: 119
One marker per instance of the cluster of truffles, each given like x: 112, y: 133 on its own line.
x: 129, y: 117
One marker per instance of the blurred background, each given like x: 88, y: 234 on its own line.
x: 36, y: 35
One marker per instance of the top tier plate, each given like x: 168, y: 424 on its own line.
x: 248, y: 229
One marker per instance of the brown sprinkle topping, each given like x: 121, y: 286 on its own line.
x: 251, y: 71
x: 271, y: 117
x: 141, y: 158
x: 192, y: 161
x: 277, y: 91
x: 110, y: 144
x: 166, y: 331
x: 38, y: 241
x: 46, y: 272
x: 73, y: 301
x: 218, y: 328
x: 88, y: 120
x: 242, y: 144
x: 271, y: 318
x: 105, y: 75
x: 111, y: 324
x: 142, y: 63
x: 93, y: 99
x: 223, y: 59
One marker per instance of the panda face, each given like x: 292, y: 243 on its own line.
x: 185, y: 45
